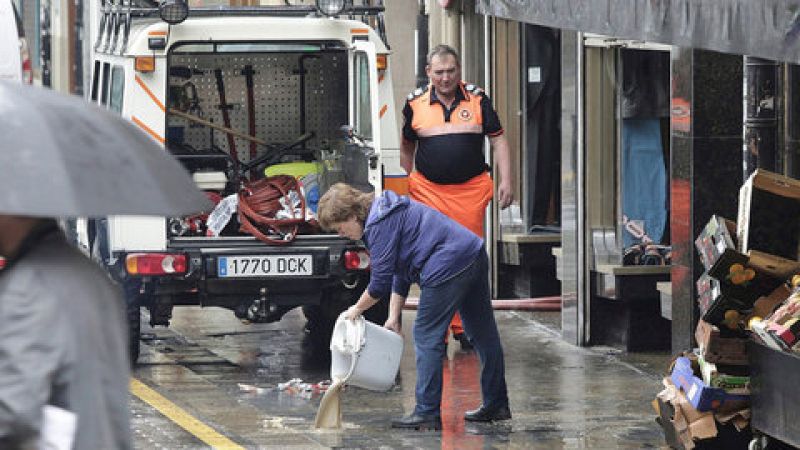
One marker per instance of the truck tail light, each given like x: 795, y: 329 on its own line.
x: 155, y: 264
x: 2, y: 262
x: 356, y: 260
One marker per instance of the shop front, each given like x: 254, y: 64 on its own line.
x: 663, y: 119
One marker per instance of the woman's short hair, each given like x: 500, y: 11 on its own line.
x: 340, y: 203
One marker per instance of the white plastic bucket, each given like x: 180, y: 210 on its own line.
x: 365, y: 354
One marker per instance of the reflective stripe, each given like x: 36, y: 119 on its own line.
x: 150, y: 93
x: 427, y: 114
x: 147, y: 129
x: 450, y: 128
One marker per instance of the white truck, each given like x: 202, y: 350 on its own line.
x: 234, y: 93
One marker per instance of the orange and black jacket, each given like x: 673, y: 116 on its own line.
x: 450, y: 141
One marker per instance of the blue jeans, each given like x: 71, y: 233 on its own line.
x: 467, y: 293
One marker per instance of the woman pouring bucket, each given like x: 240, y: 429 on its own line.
x: 412, y: 243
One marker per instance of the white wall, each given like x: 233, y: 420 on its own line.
x: 401, y: 21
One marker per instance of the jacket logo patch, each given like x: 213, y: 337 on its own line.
x: 465, y: 115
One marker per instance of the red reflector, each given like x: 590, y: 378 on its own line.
x: 356, y: 260
x: 155, y: 264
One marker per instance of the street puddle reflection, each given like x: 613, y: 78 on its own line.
x: 461, y: 391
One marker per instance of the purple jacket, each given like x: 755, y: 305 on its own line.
x: 412, y: 243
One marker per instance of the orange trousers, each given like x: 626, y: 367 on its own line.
x: 465, y: 203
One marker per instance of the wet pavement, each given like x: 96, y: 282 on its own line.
x: 224, y: 375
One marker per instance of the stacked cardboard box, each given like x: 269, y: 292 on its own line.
x: 744, y: 289
x: 768, y: 229
x: 733, y: 281
x: 781, y: 329
x: 685, y: 427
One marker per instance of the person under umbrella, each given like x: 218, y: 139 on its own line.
x: 63, y: 334
x: 413, y: 243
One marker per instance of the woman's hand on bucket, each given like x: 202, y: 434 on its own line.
x: 352, y: 313
x: 364, y: 303
x: 393, y: 323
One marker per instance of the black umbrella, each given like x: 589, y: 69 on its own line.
x: 61, y: 156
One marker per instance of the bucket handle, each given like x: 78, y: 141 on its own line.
x: 359, y: 342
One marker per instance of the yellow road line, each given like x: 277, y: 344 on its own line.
x: 185, y: 420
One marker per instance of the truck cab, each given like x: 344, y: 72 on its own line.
x: 258, y: 104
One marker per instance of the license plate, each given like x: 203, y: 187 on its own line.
x: 264, y: 266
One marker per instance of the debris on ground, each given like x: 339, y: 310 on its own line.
x: 296, y: 386
x: 252, y: 389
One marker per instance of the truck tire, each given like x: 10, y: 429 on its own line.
x: 322, y: 318
x: 134, y: 316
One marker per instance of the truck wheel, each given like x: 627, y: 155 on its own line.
x: 134, y: 316
x: 322, y: 317
x: 133, y: 303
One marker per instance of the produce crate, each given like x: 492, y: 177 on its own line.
x: 769, y: 219
x: 701, y: 396
x: 721, y: 347
x: 716, y: 241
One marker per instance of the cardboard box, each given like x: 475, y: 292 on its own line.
x: 716, y: 241
x: 769, y: 217
x: 666, y: 413
x: 764, y: 336
x: 682, y: 423
x: 771, y: 265
x: 701, y: 396
x: 714, y: 299
x: 718, y: 349
x: 716, y: 296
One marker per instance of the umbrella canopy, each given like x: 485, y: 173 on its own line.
x: 61, y: 156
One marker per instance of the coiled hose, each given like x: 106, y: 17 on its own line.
x: 259, y: 203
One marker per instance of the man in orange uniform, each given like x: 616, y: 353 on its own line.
x: 443, y: 133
